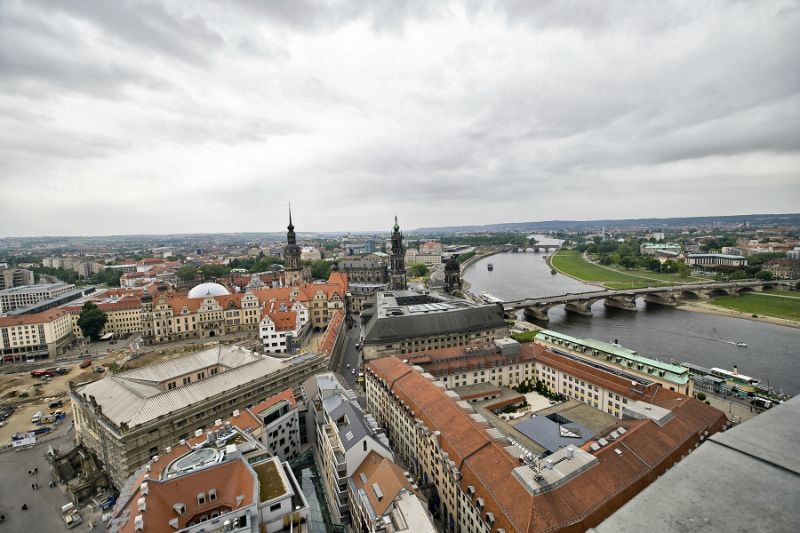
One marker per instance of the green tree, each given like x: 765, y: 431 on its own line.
x: 701, y: 396
x: 320, y: 269
x: 418, y: 270
x: 682, y: 269
x: 765, y: 275
x: 212, y: 271
x: 91, y: 321
x: 187, y: 273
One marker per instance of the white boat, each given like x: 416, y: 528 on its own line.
x: 741, y: 344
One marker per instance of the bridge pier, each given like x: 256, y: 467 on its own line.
x: 579, y: 308
x: 622, y: 301
x: 669, y: 299
x: 536, y: 314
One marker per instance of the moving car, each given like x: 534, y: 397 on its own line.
x: 86, y: 363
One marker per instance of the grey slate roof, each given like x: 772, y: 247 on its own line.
x: 460, y: 317
x: 548, y: 433
x: 133, y: 397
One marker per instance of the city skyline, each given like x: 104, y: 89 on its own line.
x: 164, y: 119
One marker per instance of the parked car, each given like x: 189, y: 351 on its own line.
x: 99, y: 369
x: 41, y: 373
x: 6, y: 411
x: 86, y: 363
x: 36, y: 417
x: 62, y: 370
x: 55, y: 404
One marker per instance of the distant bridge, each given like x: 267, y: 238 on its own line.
x: 581, y: 303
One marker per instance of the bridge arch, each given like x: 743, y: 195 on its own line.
x: 691, y: 295
x: 718, y: 291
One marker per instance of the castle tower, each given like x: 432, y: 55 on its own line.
x: 452, y: 275
x: 397, y: 279
x: 291, y: 253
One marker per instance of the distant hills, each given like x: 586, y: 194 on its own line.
x: 786, y: 219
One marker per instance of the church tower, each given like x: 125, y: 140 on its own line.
x: 452, y: 275
x: 397, y: 281
x: 291, y: 254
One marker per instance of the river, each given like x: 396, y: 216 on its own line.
x: 773, y: 352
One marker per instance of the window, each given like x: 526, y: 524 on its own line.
x: 212, y: 495
x: 274, y: 507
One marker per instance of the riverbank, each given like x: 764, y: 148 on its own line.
x: 711, y: 309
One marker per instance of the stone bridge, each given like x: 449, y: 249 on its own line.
x: 581, y: 303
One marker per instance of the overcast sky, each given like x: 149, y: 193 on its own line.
x: 161, y: 117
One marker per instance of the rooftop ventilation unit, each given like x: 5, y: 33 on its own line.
x: 143, y: 488
x: 236, y: 412
x: 198, y: 432
x: 603, y: 442
x: 168, y: 449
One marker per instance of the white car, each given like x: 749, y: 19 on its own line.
x: 354, y: 372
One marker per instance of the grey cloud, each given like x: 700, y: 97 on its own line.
x: 148, y: 25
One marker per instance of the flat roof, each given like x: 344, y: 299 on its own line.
x: 617, y: 350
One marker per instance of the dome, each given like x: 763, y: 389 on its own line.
x: 208, y: 289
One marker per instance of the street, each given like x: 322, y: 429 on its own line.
x: 351, y: 356
x: 44, y: 504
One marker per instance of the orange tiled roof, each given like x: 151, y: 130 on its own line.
x: 231, y: 480
x: 331, y: 332
x: 387, y: 475
x: 287, y: 394
x: 647, y: 449
x: 33, y: 318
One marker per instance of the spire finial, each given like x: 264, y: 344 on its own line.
x: 291, y: 226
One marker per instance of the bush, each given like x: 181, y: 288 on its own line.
x: 701, y: 396
x: 525, y: 336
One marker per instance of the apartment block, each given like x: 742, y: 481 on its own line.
x: 481, y: 480
x: 34, y: 336
x: 344, y: 435
x: 128, y: 417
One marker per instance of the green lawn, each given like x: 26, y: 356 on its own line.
x: 763, y: 304
x: 572, y: 263
x: 783, y: 293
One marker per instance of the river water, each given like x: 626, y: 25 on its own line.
x: 773, y: 352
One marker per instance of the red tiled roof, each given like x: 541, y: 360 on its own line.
x: 332, y: 332
x: 33, y: 318
x: 287, y: 394
x: 231, y: 479
x: 647, y: 449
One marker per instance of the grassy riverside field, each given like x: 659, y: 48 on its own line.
x: 778, y: 304
x: 571, y: 263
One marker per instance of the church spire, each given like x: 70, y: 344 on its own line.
x: 290, y: 227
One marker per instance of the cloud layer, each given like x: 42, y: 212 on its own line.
x: 139, y: 117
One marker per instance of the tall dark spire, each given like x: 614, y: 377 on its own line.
x: 397, y: 262
x: 290, y: 236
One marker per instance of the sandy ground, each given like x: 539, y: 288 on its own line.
x: 705, y: 307
x: 29, y: 395
x: 536, y: 402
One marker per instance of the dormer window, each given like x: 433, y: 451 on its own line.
x: 201, y: 498
x: 212, y: 495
